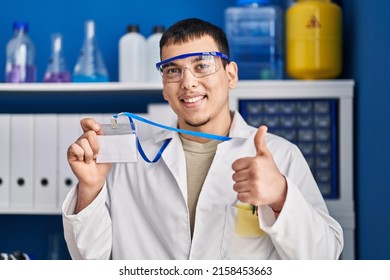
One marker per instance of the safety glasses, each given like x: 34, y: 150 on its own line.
x: 200, y: 64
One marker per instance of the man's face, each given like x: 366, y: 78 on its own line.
x: 203, y: 101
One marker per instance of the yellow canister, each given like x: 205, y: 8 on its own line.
x: 314, y: 40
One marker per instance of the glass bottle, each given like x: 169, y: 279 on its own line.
x: 90, y: 65
x: 20, y: 52
x: 56, y: 71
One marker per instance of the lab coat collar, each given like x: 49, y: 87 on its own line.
x: 238, y: 129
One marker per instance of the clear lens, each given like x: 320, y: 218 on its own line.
x: 200, y: 66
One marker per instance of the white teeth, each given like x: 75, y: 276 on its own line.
x: 193, y: 99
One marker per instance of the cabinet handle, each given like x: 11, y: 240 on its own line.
x: 44, y: 182
x: 20, y: 182
x: 68, y: 182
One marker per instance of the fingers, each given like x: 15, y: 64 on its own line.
x: 85, y: 148
x: 243, y: 184
x: 246, y: 197
x: 75, y: 153
x: 261, y: 146
x: 241, y: 175
x: 88, y: 124
x: 241, y: 164
x: 245, y: 193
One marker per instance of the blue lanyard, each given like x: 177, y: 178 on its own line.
x: 166, y: 142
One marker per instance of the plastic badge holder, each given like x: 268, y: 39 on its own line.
x: 117, y: 144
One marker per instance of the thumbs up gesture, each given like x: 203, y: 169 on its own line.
x: 257, y: 179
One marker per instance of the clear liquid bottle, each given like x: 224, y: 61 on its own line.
x: 90, y: 65
x: 153, y: 53
x: 132, y: 56
x: 254, y: 30
x: 57, y: 71
x: 20, y: 52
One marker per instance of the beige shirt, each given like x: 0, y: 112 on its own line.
x: 199, y: 157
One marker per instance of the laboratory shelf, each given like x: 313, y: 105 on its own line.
x: 36, y: 98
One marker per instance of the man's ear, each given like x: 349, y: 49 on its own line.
x: 232, y: 72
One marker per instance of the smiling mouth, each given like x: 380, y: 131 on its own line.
x: 193, y: 99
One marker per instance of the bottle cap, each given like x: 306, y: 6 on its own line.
x: 133, y: 28
x: 158, y: 29
x: 247, y: 2
x: 20, y: 25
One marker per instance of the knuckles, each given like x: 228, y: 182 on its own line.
x: 83, y: 142
x: 73, y: 148
x: 90, y: 133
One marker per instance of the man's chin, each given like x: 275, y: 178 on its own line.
x: 197, y: 124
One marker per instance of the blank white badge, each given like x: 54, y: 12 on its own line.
x: 117, y: 144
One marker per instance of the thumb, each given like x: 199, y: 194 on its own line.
x: 88, y: 124
x: 261, y: 146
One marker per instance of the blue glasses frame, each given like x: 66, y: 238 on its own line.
x: 221, y: 55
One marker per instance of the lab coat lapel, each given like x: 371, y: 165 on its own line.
x: 174, y: 158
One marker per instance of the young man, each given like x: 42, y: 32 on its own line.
x: 251, y: 197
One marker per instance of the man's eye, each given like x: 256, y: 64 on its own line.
x: 169, y: 71
x: 202, y: 66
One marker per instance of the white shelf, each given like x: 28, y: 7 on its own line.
x: 60, y: 87
x: 245, y: 85
x: 29, y: 211
x: 295, y: 89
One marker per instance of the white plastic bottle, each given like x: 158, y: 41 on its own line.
x: 132, y: 56
x: 153, y: 53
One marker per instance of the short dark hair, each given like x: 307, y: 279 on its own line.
x: 194, y: 28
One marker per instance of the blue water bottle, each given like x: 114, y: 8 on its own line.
x: 20, y: 55
x: 254, y: 29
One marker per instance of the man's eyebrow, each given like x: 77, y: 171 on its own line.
x: 193, y: 59
x: 168, y: 64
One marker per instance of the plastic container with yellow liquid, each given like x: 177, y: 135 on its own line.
x: 314, y: 40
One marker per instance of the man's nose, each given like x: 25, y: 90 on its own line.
x: 188, y: 79
x: 183, y: 70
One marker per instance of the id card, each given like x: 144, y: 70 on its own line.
x: 117, y: 144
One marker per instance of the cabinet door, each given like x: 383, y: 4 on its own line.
x: 45, y: 161
x: 4, y: 160
x: 68, y: 132
x: 22, y: 154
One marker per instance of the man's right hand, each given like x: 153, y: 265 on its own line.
x: 82, y: 160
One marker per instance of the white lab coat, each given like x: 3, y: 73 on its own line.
x: 141, y: 212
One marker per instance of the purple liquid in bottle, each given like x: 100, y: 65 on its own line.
x: 19, y: 74
x: 56, y: 71
x: 60, y: 77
